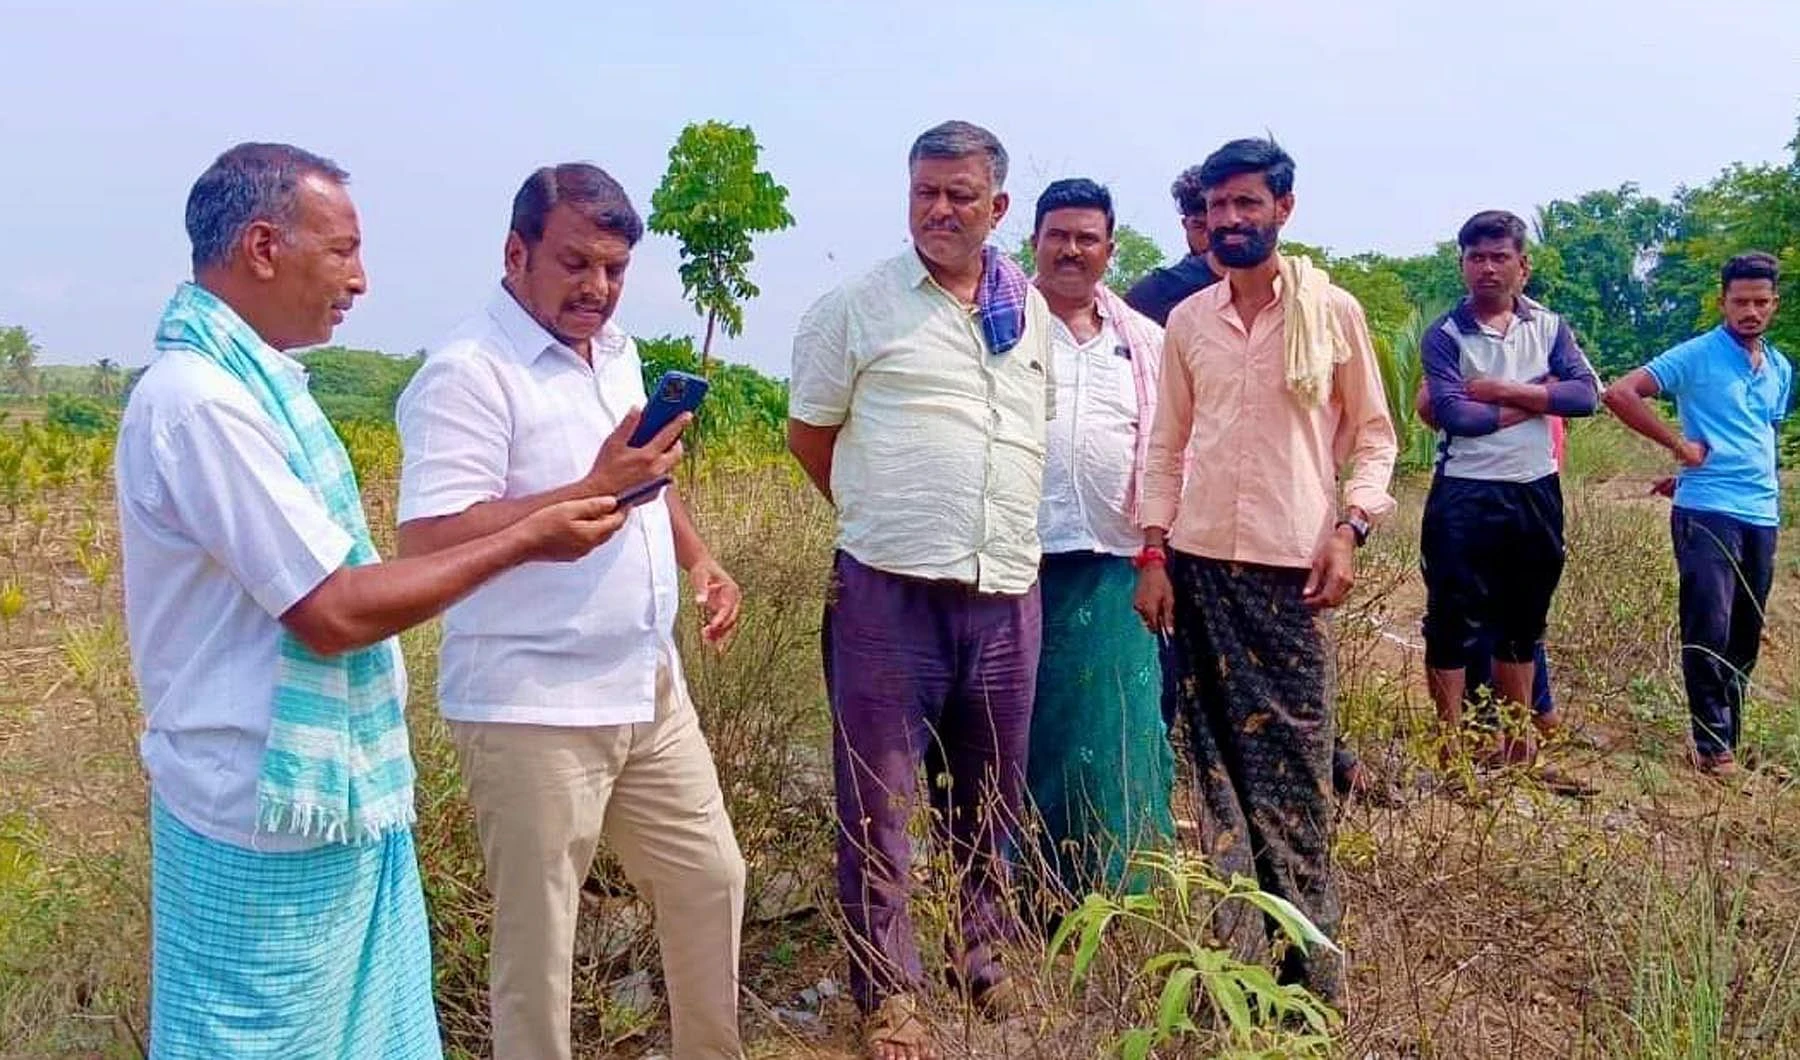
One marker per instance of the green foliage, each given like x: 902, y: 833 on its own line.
x: 1744, y: 208
x: 81, y: 415
x: 1372, y: 279
x: 1594, y: 261
x: 1134, y: 254
x: 357, y: 384
x: 713, y: 199
x: 1246, y: 1010
x: 1434, y: 278
x: 1397, y: 353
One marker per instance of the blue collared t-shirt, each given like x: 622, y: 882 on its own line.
x: 1735, y: 411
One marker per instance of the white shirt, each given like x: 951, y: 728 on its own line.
x: 939, y: 464
x: 1092, y: 444
x: 504, y: 410
x: 220, y: 538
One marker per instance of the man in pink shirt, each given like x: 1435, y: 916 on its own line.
x: 1270, y: 378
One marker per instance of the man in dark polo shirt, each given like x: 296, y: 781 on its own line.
x: 1161, y: 290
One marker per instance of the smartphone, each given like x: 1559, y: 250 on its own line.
x: 642, y: 492
x: 675, y: 393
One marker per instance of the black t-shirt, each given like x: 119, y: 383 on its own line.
x: 1161, y: 290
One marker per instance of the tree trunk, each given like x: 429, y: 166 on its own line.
x: 693, y: 444
x: 712, y: 318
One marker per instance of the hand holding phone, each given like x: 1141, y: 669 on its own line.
x: 675, y: 393
x: 619, y: 467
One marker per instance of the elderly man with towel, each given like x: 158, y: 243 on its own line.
x: 1269, y: 376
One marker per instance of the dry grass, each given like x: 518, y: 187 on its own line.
x: 1658, y: 919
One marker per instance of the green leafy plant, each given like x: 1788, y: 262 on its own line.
x: 1243, y: 1007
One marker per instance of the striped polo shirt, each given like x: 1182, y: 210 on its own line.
x: 1458, y: 348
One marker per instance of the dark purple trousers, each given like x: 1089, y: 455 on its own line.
x: 932, y: 674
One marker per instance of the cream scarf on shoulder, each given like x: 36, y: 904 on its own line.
x: 1315, y: 342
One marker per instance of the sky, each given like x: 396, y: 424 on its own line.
x: 1404, y: 117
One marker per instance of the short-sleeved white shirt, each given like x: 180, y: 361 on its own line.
x: 503, y: 410
x: 220, y: 538
x: 1088, y: 468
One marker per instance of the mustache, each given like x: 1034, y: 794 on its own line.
x: 943, y: 226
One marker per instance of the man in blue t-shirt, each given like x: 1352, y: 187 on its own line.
x: 1732, y: 390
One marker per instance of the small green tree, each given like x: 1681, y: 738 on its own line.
x: 713, y: 199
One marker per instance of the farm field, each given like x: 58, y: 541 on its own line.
x: 1659, y: 919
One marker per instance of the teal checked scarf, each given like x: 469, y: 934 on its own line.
x: 337, y: 766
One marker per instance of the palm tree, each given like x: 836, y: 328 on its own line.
x: 107, y: 379
x: 1397, y: 354
x: 18, y: 362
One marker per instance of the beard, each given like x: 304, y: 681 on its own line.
x: 1258, y: 244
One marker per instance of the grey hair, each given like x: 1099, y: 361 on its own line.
x: 960, y: 139
x: 250, y: 182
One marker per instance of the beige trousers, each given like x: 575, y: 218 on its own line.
x: 544, y: 796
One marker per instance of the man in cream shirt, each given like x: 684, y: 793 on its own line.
x: 561, y: 685
x: 920, y: 393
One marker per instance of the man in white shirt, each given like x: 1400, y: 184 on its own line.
x: 1101, y: 771
x: 917, y: 407
x: 562, y: 687
x: 278, y: 933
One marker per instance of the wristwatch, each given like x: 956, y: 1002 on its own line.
x: 1358, y: 526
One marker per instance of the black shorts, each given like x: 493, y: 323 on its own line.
x: 1492, y: 555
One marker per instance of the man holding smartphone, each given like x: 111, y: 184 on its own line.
x: 562, y: 686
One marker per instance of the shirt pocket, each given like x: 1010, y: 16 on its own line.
x: 1115, y: 383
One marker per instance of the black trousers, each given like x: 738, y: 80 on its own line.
x: 1726, y: 567
x: 1492, y: 555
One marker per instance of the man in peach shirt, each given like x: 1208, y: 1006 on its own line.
x: 1270, y: 377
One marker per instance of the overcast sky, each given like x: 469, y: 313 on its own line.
x: 1404, y: 116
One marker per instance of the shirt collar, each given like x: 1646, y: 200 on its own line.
x: 528, y: 340
x: 1102, y: 304
x: 1220, y: 293
x: 912, y: 268
x: 1464, y: 313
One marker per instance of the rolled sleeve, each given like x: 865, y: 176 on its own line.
x: 229, y: 485
x: 1170, y: 429
x: 1365, y: 428
x: 455, y: 435
x: 823, y: 369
